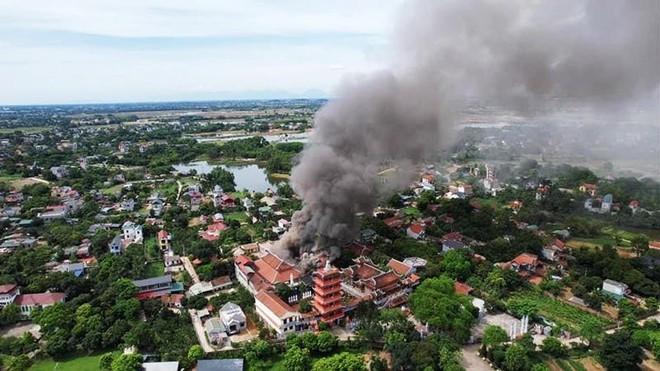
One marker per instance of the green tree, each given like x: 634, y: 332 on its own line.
x: 296, y: 359
x: 195, y: 353
x: 620, y: 352
x: 456, y: 264
x: 640, y: 244
x: 494, y: 336
x: 540, y: 367
x: 435, y: 302
x: 19, y: 363
x: 592, y: 331
x: 378, y: 364
x: 515, y: 358
x: 11, y: 313
x: 343, y: 361
x: 127, y: 362
x: 554, y: 347
x: 105, y: 362
x: 326, y: 342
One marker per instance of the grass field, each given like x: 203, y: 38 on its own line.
x: 26, y: 129
x: 414, y: 212
x: 112, y: 190
x: 562, y: 314
x: 81, y: 363
x: 238, y: 215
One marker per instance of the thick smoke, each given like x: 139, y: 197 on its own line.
x: 516, y: 53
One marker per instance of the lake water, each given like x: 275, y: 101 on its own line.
x: 250, y: 177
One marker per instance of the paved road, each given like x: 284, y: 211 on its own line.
x: 178, y: 193
x: 471, y: 360
x: 190, y: 268
x: 201, y: 334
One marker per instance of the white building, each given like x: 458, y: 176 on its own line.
x: 28, y: 302
x: 8, y: 294
x: 132, y: 232
x: 233, y: 318
x: 276, y: 314
x: 615, y: 288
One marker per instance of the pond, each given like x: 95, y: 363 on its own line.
x: 250, y: 177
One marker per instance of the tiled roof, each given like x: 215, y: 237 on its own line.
x: 462, y: 288
x: 399, y: 267
x: 162, y: 234
x: 274, y: 269
x: 5, y: 289
x: 416, y: 228
x: 525, y: 258
x: 393, y: 222
x: 46, y: 298
x: 274, y: 303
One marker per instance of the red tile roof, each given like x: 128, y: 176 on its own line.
x: 5, y: 289
x: 162, y: 234
x: 452, y: 236
x: 416, y: 228
x: 275, y: 270
x: 559, y: 243
x: 525, y: 258
x: 274, y: 303
x: 394, y: 222
x: 46, y: 298
x: 399, y: 267
x: 462, y: 288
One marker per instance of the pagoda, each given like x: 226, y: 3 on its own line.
x: 327, y: 293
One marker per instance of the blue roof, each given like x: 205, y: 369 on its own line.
x: 231, y: 364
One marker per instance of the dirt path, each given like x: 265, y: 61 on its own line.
x: 190, y: 269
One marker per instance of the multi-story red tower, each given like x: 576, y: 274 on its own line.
x: 327, y: 293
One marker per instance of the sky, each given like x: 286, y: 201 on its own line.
x: 69, y: 51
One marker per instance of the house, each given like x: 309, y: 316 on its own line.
x: 28, y: 302
x: 554, y: 250
x: 115, y: 245
x: 132, y: 233
x: 589, y: 188
x: 250, y: 248
x: 53, y: 213
x: 515, y: 205
x: 215, y: 330
x: 227, y: 201
x: 150, y: 288
x: 233, y: 318
x: 59, y: 171
x: 462, y: 288
x: 266, y: 273
x: 160, y: 366
x: 78, y: 269
x: 451, y: 245
x: 227, y: 364
x: 164, y: 240
x: 394, y: 222
x: 217, y: 196
x: 212, y: 232
x: 277, y: 314
x: 157, y: 206
x: 127, y: 205
x: 525, y: 264
x: 617, y: 289
x: 196, y: 199
x: 172, y: 263
x: 172, y: 300
x: 606, y: 205
x: 428, y: 179
x: 634, y: 206
x: 416, y: 231
x: 283, y: 223
x: 8, y: 294
x: 367, y: 235
x: 265, y: 210
x: 365, y: 281
x: 247, y: 203
x: 268, y: 201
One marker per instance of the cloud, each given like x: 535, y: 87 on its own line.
x: 151, y: 50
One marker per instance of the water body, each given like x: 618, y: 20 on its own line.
x: 250, y: 177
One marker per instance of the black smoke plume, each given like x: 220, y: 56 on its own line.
x: 598, y: 53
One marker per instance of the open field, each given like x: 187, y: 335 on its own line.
x: 564, y: 315
x: 26, y: 129
x: 81, y: 363
x: 238, y: 215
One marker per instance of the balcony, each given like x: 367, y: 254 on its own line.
x: 327, y: 300
x: 328, y: 309
x: 325, y: 283
x: 326, y: 292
